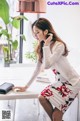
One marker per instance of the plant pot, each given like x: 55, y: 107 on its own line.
x: 6, y: 64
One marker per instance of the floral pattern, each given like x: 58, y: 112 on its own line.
x: 46, y: 92
x: 61, y: 92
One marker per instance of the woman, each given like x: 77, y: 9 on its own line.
x: 52, y: 53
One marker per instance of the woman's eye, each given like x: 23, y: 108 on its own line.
x: 37, y: 33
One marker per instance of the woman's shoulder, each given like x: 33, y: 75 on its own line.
x: 58, y: 45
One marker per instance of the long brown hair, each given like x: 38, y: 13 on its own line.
x: 44, y: 24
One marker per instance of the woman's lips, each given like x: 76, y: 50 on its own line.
x: 37, y: 38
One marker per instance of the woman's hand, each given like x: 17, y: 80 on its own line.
x: 19, y: 89
x: 47, y: 41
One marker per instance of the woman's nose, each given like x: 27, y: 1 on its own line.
x: 36, y: 36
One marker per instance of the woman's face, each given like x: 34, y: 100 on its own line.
x: 39, y: 34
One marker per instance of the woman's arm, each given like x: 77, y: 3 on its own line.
x: 36, y: 72
x: 50, y: 58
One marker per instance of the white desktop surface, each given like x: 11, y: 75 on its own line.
x: 19, y: 76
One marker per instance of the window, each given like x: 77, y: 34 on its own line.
x: 65, y: 20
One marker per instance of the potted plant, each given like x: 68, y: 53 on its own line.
x: 32, y: 55
x: 7, y: 29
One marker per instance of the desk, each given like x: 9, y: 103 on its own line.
x: 18, y: 95
x: 25, y: 95
x: 19, y: 77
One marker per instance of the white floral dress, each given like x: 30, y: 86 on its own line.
x: 61, y: 94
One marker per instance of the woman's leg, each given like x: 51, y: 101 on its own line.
x: 57, y: 115
x: 46, y: 105
x: 54, y: 114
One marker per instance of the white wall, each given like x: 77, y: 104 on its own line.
x: 66, y: 22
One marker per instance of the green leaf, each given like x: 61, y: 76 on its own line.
x: 23, y: 17
x: 5, y: 32
x: 5, y: 49
x: 4, y: 11
x: 23, y: 37
x: 9, y: 36
x: 31, y: 55
x: 0, y: 27
x: 20, y: 17
x: 0, y: 34
x: 15, y: 44
x: 16, y: 23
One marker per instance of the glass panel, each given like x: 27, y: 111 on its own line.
x: 28, y: 44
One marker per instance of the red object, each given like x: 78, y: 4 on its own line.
x: 46, y: 92
x: 32, y: 6
x: 54, y: 71
x: 63, y: 90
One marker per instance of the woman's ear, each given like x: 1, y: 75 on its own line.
x: 46, y: 32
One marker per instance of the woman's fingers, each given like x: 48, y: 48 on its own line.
x: 15, y: 88
x: 47, y: 41
x: 50, y: 37
x: 19, y: 89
